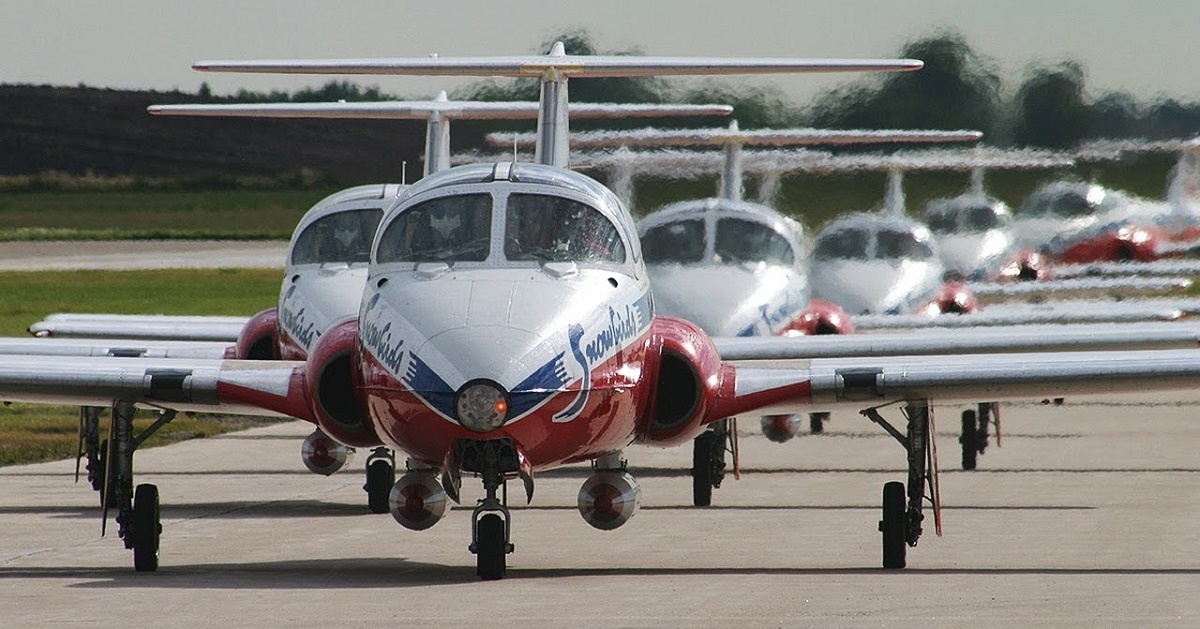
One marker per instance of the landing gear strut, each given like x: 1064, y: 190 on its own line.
x: 491, y: 532
x: 110, y: 469
x: 708, y: 459
x: 902, y: 505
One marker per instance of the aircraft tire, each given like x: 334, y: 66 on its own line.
x: 702, y: 469
x: 380, y: 478
x: 490, y: 548
x: 892, y: 526
x: 969, y: 439
x: 146, y: 529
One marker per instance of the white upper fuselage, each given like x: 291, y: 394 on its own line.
x: 733, y: 268
x: 1060, y: 214
x: 327, y: 262
x: 521, y: 276
x: 875, y: 264
x: 974, y: 233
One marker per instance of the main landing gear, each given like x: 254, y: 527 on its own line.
x: 381, y: 475
x: 975, y: 426
x: 110, y: 471
x: 708, y: 459
x: 902, y: 504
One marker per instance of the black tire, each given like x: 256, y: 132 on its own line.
x: 702, y: 469
x: 969, y: 439
x: 381, y: 475
x: 146, y: 528
x: 895, y: 546
x: 816, y: 422
x: 490, y: 548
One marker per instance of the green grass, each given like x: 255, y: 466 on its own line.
x: 30, y: 433
x: 90, y: 215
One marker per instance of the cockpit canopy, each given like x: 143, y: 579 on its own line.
x: 1069, y: 200
x: 878, y: 239
x: 967, y: 215
x: 680, y: 235
x: 502, y: 222
x: 343, y: 237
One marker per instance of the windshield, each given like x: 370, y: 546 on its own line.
x: 850, y: 244
x: 453, y: 228
x: 893, y: 244
x: 978, y: 218
x: 344, y: 237
x: 739, y: 240
x: 942, y: 222
x: 550, y: 228
x: 681, y: 241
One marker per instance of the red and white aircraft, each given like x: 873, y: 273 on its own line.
x: 1077, y: 222
x: 527, y: 338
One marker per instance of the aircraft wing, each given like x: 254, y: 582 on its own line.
x: 1182, y: 267
x: 779, y: 387
x: 242, y: 387
x: 141, y: 327
x: 123, y: 348
x: 1014, y: 339
x: 557, y: 62
x: 1065, y: 311
x: 1079, y: 284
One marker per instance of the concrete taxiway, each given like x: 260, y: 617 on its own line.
x: 1086, y: 517
x: 140, y: 254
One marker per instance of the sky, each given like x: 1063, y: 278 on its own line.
x: 1148, y: 49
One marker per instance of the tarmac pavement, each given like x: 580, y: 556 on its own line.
x: 140, y: 254
x: 1086, y: 517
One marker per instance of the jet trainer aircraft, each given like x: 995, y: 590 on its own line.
x: 1081, y: 222
x: 523, y: 341
x: 324, y: 271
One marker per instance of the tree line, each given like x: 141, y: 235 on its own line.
x: 958, y: 88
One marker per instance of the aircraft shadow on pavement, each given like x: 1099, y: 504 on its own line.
x: 398, y: 572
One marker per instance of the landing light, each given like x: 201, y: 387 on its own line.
x: 481, y: 406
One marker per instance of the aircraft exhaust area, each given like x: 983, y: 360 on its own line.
x: 1086, y: 517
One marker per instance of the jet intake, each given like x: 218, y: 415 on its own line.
x: 337, y: 400
x: 686, y: 378
x: 258, y: 340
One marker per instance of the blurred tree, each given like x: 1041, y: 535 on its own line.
x: 1116, y: 115
x: 957, y: 89
x: 1050, y: 108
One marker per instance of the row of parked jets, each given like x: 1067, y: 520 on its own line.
x: 500, y: 318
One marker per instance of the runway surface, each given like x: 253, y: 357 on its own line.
x: 1086, y: 517
x: 140, y: 254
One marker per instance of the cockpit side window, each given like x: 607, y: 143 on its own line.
x: 454, y: 228
x: 895, y: 244
x: 980, y: 218
x: 847, y: 244
x: 679, y: 242
x: 942, y: 222
x: 344, y: 237
x: 549, y: 228
x: 740, y: 240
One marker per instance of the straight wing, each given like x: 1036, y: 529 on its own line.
x: 1015, y: 339
x: 778, y: 387
x: 243, y: 387
x: 143, y: 327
